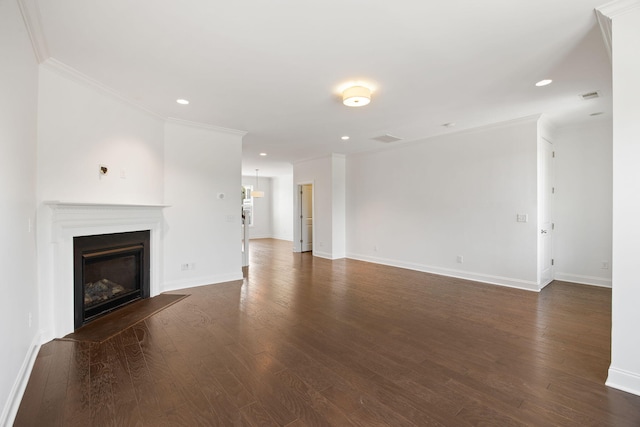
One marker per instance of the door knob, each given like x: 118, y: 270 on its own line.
x: 543, y: 231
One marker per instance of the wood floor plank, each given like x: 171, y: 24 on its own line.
x: 102, y: 401
x: 305, y: 341
x: 187, y: 385
x: 127, y: 412
x: 54, y: 395
x: 34, y: 394
x: 262, y: 384
x: 255, y: 415
x: 143, y: 384
x: 307, y: 404
x: 77, y: 408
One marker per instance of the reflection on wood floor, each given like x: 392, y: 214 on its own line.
x: 308, y: 341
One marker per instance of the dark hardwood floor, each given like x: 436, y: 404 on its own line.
x: 307, y: 341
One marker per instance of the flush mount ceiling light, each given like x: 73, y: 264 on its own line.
x: 356, y: 96
x: 263, y: 154
x: 544, y: 82
x: 182, y: 101
x: 344, y: 138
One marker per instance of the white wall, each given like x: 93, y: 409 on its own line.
x: 201, y: 228
x: 18, y: 113
x: 583, y: 203
x: 422, y: 205
x: 320, y: 172
x: 339, y: 206
x: 624, y: 372
x: 282, y: 205
x: 81, y: 127
x: 262, y: 208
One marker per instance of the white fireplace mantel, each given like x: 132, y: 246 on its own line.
x: 58, y: 223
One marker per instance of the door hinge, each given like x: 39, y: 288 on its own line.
x: 553, y: 190
x: 553, y: 226
x: 553, y: 154
x: 553, y: 262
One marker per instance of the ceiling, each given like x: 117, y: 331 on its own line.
x: 274, y: 68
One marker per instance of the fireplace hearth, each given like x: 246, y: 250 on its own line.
x: 110, y: 271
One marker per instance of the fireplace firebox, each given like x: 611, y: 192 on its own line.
x: 110, y: 271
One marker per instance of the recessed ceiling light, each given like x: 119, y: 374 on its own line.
x: 263, y: 154
x: 544, y: 82
x: 182, y: 101
x: 344, y: 138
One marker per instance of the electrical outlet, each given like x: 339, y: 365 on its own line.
x: 188, y: 266
x: 605, y: 265
x: 522, y: 218
x: 459, y: 259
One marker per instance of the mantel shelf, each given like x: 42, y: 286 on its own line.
x: 54, y: 203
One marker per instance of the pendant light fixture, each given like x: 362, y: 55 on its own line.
x: 256, y: 192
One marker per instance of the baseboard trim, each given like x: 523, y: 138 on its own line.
x: 466, y: 275
x: 17, y: 391
x: 177, y: 285
x: 327, y: 255
x: 259, y: 236
x: 623, y: 380
x: 583, y: 280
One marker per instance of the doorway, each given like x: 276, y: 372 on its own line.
x: 306, y: 217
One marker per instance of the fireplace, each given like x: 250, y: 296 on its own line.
x: 110, y: 271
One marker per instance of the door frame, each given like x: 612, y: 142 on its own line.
x: 297, y: 223
x: 545, y: 229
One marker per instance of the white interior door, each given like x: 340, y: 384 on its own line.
x: 545, y: 223
x: 306, y: 217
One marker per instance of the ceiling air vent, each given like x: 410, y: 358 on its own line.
x: 387, y: 138
x: 590, y: 95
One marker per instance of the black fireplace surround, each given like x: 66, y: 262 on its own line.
x: 110, y: 270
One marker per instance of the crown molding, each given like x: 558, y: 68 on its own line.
x: 313, y: 158
x: 534, y: 118
x: 75, y: 75
x: 605, y: 29
x: 31, y: 17
x: 617, y: 8
x: 605, y: 15
x: 205, y: 126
